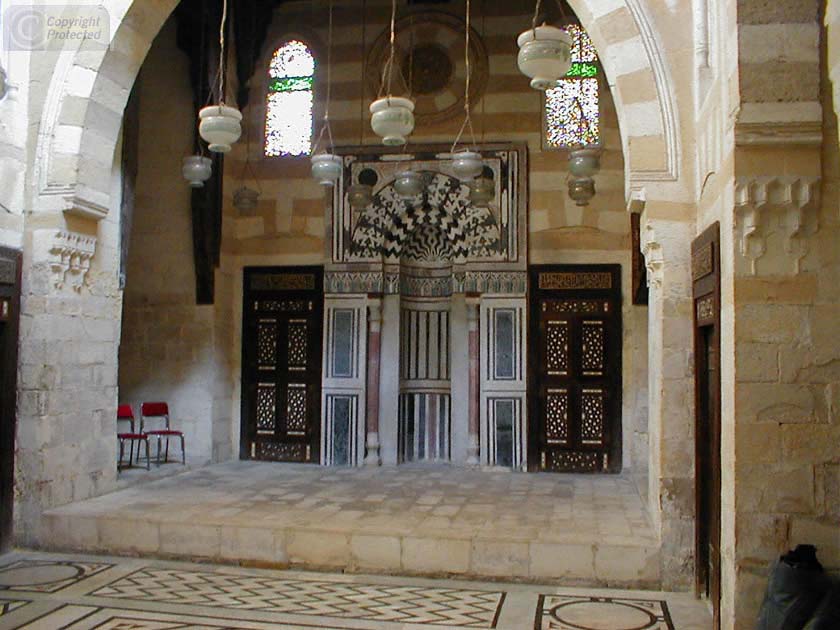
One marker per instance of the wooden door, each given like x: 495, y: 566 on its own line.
x: 281, y: 364
x: 705, y: 271
x: 9, y: 316
x: 575, y: 369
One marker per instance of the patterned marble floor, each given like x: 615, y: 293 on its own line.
x: 41, y: 591
x: 409, y: 520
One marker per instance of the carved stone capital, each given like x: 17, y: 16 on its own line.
x: 767, y: 204
x: 68, y: 254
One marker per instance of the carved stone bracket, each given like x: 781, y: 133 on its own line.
x: 652, y: 251
x: 792, y: 200
x: 68, y: 255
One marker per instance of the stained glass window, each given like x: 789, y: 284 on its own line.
x: 288, y: 116
x: 572, y: 108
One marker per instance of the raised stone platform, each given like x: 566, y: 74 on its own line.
x: 576, y: 529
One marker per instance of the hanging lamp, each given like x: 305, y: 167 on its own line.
x: 584, y: 163
x: 392, y: 117
x: 409, y: 184
x: 483, y: 188
x: 326, y: 166
x: 466, y: 163
x: 220, y: 125
x: 196, y: 169
x: 544, y: 53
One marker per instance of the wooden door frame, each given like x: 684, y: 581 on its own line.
x: 10, y: 271
x: 706, y: 280
x: 533, y: 358
x: 247, y: 272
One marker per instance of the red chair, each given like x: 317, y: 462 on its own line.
x: 125, y: 414
x: 160, y: 410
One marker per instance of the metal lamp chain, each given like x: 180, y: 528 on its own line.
x: 325, y: 128
x: 467, y: 117
x: 222, y: 53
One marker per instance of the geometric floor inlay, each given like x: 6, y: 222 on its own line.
x: 375, y: 602
x: 46, y: 576
x: 562, y: 612
x: 8, y: 605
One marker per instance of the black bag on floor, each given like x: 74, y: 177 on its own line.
x: 827, y: 616
x: 796, y: 587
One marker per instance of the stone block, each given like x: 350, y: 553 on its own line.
x: 376, y: 552
x: 248, y: 543
x: 130, y: 534
x: 774, y: 402
x: 319, y: 549
x: 499, y: 558
x: 435, y: 555
x: 573, y: 562
x: 772, y: 323
x: 626, y: 565
x: 757, y: 362
x: 810, y: 444
x: 190, y: 540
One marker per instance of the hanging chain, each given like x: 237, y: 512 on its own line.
x: 364, y: 76
x: 222, y: 54
x: 536, y: 17
x: 467, y: 117
x: 325, y: 128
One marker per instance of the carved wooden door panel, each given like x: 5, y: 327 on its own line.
x: 576, y: 369
x: 281, y: 364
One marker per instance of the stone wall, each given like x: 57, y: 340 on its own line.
x: 784, y: 270
x: 168, y: 343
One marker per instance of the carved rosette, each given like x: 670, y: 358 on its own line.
x: 767, y: 204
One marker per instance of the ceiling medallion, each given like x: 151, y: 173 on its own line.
x: 430, y: 54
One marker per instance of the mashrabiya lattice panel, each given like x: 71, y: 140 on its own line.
x: 399, y: 604
x: 576, y: 612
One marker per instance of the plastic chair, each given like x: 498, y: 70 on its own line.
x: 155, y: 410
x: 125, y: 414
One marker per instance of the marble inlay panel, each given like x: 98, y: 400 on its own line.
x: 404, y: 604
x: 579, y: 612
x: 47, y: 576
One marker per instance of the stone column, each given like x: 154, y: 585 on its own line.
x: 374, y: 343
x: 666, y: 244
x: 475, y: 375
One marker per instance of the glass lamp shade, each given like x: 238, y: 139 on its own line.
x: 585, y: 162
x: 196, y: 169
x: 409, y: 184
x: 220, y: 126
x: 245, y: 199
x: 326, y: 168
x: 482, y: 191
x: 359, y: 196
x: 581, y: 190
x: 392, y: 118
x: 544, y: 55
x: 467, y: 165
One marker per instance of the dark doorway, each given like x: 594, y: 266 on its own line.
x: 9, y: 318
x: 281, y: 363
x: 575, y: 358
x: 705, y: 272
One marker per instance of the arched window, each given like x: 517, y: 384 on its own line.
x: 288, y: 114
x: 572, y: 108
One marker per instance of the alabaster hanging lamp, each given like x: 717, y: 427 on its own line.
x: 326, y: 166
x: 392, y: 117
x: 220, y: 125
x: 466, y: 163
x: 196, y: 169
x: 544, y: 53
x: 584, y: 162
